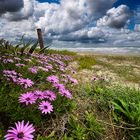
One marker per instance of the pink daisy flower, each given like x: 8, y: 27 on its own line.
x: 33, y: 70
x: 27, y: 98
x: 9, y: 72
x: 39, y: 94
x: 49, y: 67
x: 50, y: 95
x: 63, y: 75
x: 20, y: 65
x: 8, y: 61
x: 94, y: 78
x: 58, y: 86
x: 21, y: 132
x: 64, y: 80
x: 73, y: 71
x: 27, y: 60
x: 25, y: 82
x: 53, y: 79
x: 74, y: 81
x: 44, y: 69
x: 17, y: 58
x: 62, y: 69
x: 11, y: 75
x: 65, y: 92
x: 45, y: 107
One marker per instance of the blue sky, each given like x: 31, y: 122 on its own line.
x: 131, y: 3
x: 50, y: 1
x: 74, y: 22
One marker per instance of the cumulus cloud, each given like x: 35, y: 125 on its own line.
x: 86, y: 35
x: 10, y: 5
x: 72, y: 15
x: 116, y: 17
x: 120, y: 37
x: 24, y: 12
x: 14, y: 30
x: 40, y: 9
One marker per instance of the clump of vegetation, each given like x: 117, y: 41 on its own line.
x: 86, y: 62
x: 116, y: 106
x: 126, y: 67
x: 62, y: 52
x: 85, y: 128
x: 34, y: 88
x: 127, y: 114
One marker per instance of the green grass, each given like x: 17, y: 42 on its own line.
x: 123, y: 71
x: 62, y: 52
x: 86, y: 62
x: 126, y: 72
x: 97, y: 98
x: 131, y: 58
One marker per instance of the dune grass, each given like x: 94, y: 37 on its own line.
x: 126, y: 67
x: 86, y: 62
x: 62, y: 52
x: 125, y: 71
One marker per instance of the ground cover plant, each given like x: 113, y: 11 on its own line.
x: 59, y: 95
x: 34, y: 90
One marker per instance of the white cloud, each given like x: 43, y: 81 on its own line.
x: 14, y: 30
x: 92, y: 35
x: 72, y: 15
x: 10, y: 5
x: 23, y: 13
x: 121, y: 37
x: 116, y: 17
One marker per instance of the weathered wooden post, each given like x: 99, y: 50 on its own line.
x: 40, y: 38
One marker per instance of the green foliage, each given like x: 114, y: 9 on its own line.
x: 121, y: 58
x: 33, y: 47
x: 43, y: 49
x: 85, y: 129
x: 128, y: 113
x: 51, y: 136
x: 103, y: 92
x: 62, y: 52
x: 25, y: 46
x: 86, y: 62
x: 67, y: 138
x: 4, y: 44
x: 128, y: 71
x: 78, y: 131
x: 98, y: 98
x: 94, y: 129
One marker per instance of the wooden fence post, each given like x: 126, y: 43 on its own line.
x: 40, y: 38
